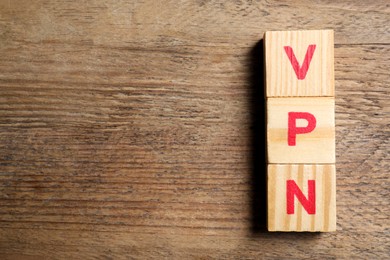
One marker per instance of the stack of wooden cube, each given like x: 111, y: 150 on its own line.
x: 301, y: 176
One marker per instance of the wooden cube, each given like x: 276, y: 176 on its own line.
x: 301, y: 130
x: 299, y: 63
x: 301, y: 197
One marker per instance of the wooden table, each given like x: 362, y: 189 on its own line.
x: 135, y: 129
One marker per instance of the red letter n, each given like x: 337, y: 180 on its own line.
x: 309, y: 203
x: 293, y: 130
x: 300, y: 71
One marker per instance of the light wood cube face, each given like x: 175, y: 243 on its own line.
x: 300, y: 130
x: 301, y: 197
x: 299, y: 63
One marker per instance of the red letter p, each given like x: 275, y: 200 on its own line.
x: 293, y: 130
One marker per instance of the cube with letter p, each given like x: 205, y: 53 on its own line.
x: 301, y: 130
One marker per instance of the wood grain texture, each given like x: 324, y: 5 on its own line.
x: 134, y: 129
x: 281, y: 78
x: 317, y: 146
x: 324, y: 218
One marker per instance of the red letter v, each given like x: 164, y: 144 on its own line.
x: 300, y: 71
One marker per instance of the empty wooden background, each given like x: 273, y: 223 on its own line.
x: 135, y: 129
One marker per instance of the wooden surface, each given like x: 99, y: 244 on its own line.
x: 135, y: 129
